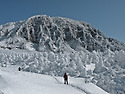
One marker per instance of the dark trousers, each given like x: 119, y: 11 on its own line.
x: 66, y: 81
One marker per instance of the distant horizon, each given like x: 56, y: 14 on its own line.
x: 104, y: 15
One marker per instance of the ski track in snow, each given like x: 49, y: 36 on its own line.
x: 79, y: 88
x: 86, y: 88
x: 76, y: 87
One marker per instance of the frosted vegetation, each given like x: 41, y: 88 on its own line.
x: 57, y: 45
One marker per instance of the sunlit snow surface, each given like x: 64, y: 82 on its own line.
x: 13, y: 81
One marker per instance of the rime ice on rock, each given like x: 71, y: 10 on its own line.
x: 67, y: 46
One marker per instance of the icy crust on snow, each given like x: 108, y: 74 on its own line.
x: 54, y: 45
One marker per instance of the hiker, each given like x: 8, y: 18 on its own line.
x: 65, y: 79
x: 19, y: 69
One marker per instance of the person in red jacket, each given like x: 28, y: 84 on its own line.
x: 65, y: 79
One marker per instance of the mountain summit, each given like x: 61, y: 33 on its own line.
x: 43, y: 32
x: 55, y: 45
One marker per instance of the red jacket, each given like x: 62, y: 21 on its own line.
x: 65, y: 76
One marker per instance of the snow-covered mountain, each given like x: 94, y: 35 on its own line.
x: 55, y: 34
x: 55, y: 45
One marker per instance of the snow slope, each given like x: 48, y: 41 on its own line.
x: 15, y: 82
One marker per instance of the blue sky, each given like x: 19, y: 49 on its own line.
x: 106, y: 15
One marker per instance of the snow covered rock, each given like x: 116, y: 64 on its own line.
x: 55, y: 45
x: 53, y: 33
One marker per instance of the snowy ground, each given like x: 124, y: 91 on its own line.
x: 15, y: 82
